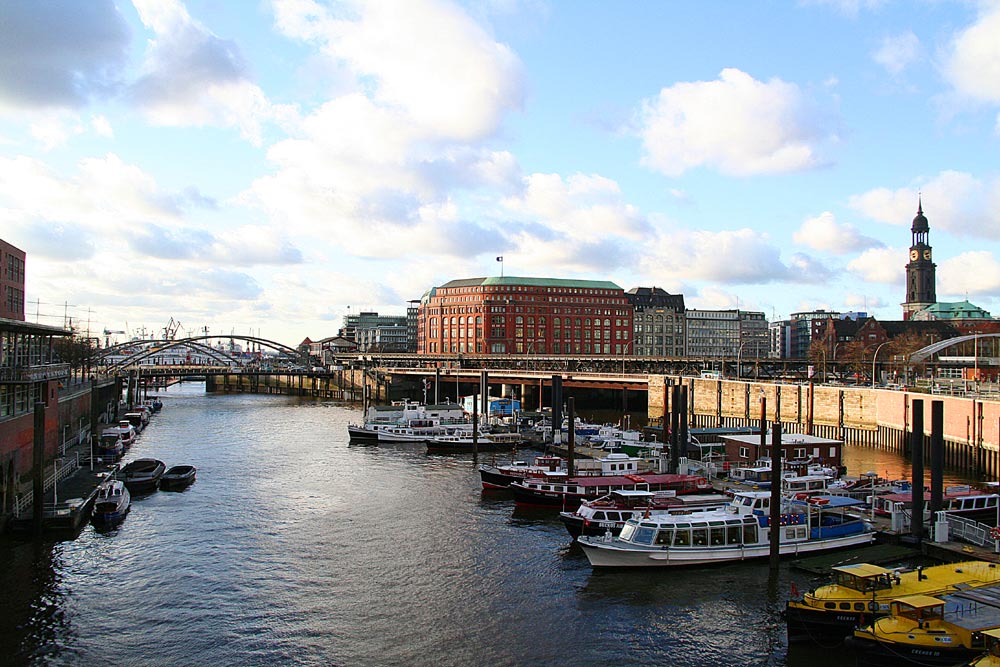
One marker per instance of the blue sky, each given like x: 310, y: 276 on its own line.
x: 263, y: 167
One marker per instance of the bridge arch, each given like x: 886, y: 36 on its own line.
x: 928, y: 352
x: 154, y: 347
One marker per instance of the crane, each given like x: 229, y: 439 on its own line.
x: 170, y: 330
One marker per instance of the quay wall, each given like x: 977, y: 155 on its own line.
x: 346, y: 385
x: 866, y: 416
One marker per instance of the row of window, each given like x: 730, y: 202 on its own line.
x: 14, y: 301
x: 18, y: 399
x: 15, y: 269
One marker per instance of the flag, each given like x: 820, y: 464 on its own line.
x: 500, y: 259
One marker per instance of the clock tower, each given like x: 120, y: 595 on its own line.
x: 920, y: 282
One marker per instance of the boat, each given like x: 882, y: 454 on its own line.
x: 463, y: 442
x: 861, y: 592
x: 991, y: 658
x: 137, y: 419
x: 111, y: 503
x: 940, y: 630
x: 609, y: 513
x: 178, y: 477
x: 739, y: 531
x: 142, y: 475
x: 109, y: 445
x: 500, y: 477
x: 567, y: 494
x: 869, y: 484
x: 406, y: 414
x: 958, y: 500
x: 125, y: 430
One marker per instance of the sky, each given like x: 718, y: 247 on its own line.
x: 264, y: 167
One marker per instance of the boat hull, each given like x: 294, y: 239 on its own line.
x: 175, y: 480
x: 826, y: 628
x: 608, y: 554
x: 869, y: 652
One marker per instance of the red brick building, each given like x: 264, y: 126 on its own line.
x: 510, y: 315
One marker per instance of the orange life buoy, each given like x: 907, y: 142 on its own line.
x: 995, y: 532
x: 819, y: 501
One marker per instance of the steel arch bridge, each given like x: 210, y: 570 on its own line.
x: 152, y: 348
x: 926, y: 353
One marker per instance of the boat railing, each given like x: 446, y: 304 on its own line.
x: 967, y: 530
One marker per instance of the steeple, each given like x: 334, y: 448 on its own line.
x: 920, y: 281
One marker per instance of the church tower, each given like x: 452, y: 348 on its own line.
x: 920, y: 282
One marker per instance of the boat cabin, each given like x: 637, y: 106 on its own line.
x: 758, y: 475
x: 864, y: 577
x: 804, y: 484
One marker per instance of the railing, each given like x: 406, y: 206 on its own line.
x: 62, y: 469
x: 969, y: 531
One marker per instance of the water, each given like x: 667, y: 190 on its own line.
x: 296, y: 548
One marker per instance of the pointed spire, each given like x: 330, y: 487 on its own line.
x: 920, y: 203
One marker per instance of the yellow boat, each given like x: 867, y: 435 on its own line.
x: 862, y: 592
x: 992, y: 656
x: 929, y: 631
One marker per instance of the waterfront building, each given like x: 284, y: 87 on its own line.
x: 515, y: 315
x: 746, y: 450
x: 921, y: 291
x: 726, y: 333
x: 659, y: 322
x: 780, y: 339
x: 801, y: 330
x: 958, y: 312
x: 11, y: 282
x: 374, y: 332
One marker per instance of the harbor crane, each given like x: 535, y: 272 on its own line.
x: 170, y: 331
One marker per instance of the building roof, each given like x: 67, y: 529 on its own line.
x: 956, y: 310
x: 894, y: 328
x: 655, y: 297
x: 19, y: 326
x: 532, y: 282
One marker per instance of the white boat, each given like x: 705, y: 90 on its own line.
x: 125, y: 430
x: 110, y: 444
x: 111, y: 504
x: 463, y: 441
x: 740, y: 531
x: 406, y: 414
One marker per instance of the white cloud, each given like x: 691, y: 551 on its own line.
x: 192, y: 77
x: 972, y: 65
x: 54, y: 128
x: 881, y: 265
x: 102, y: 126
x: 897, y: 52
x: 735, y: 124
x: 953, y: 201
x: 56, y: 54
x: 826, y: 234
x: 971, y: 273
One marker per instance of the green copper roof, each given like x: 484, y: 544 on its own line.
x: 957, y: 310
x: 533, y: 282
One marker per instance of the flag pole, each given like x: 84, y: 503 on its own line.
x: 500, y: 259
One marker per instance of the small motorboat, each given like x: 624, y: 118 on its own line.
x: 178, y: 477
x: 142, y: 475
x: 111, y: 504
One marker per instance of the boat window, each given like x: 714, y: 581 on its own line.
x: 718, y: 536
x: 733, y: 534
x: 599, y: 516
x: 664, y: 537
x: 845, y: 605
x: 859, y: 606
x: 682, y: 538
x: 830, y: 605
x: 699, y: 537
x: 980, y: 502
x: 749, y: 533
x: 644, y: 535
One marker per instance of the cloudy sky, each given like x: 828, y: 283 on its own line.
x: 268, y: 166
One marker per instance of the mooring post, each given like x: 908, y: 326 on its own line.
x: 571, y: 434
x: 475, y: 425
x: 937, y: 457
x: 38, y: 463
x: 775, y: 534
x: 917, y: 463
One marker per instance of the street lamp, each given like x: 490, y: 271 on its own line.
x: 874, y: 357
x: 739, y: 355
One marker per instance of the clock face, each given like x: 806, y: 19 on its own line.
x: 927, y: 253
x: 914, y: 255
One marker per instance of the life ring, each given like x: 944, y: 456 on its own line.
x: 819, y: 501
x: 995, y: 532
x: 801, y: 496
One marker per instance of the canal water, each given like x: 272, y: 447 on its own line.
x: 295, y: 547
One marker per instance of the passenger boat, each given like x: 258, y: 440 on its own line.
x: 405, y: 414
x: 111, y: 504
x: 861, y: 592
x: 609, y: 513
x: 142, y: 475
x: 941, y: 630
x: 959, y: 500
x: 178, y: 477
x: 869, y: 484
x: 570, y: 492
x: 500, y: 477
x: 463, y: 442
x: 740, y: 531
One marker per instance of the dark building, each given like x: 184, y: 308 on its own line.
x: 659, y: 322
x: 920, y: 280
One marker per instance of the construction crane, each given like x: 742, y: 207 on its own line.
x: 170, y: 330
x: 107, y: 336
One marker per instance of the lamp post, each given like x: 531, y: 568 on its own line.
x: 874, y: 357
x: 739, y: 356
x: 624, y: 354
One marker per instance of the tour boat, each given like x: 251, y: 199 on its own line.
x: 405, y: 414
x: 609, y: 513
x: 861, y: 592
x: 142, y: 475
x: 463, y: 442
x: 941, y: 630
x: 125, y: 430
x: 740, y: 531
x: 959, y: 500
x: 178, y: 477
x: 500, y: 477
x: 111, y: 504
x: 570, y: 492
